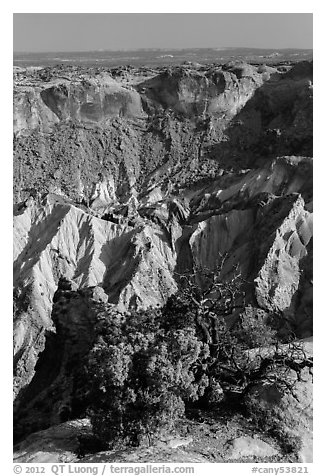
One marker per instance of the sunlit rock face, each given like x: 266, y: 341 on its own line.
x: 193, y: 93
x: 278, y: 279
x: 53, y: 239
x: 122, y: 182
x: 89, y: 100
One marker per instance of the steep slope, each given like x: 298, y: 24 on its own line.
x: 124, y: 182
x: 188, y: 125
x: 55, y: 239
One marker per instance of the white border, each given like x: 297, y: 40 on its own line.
x: 168, y: 6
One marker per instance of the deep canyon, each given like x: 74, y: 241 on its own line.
x: 126, y: 178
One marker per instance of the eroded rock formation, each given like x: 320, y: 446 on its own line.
x: 124, y: 181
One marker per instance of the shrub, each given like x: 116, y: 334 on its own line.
x: 291, y: 443
x: 140, y: 377
x: 253, y: 330
x: 146, y: 366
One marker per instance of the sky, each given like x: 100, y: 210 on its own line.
x: 37, y: 32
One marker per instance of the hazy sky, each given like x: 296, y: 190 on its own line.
x: 92, y: 31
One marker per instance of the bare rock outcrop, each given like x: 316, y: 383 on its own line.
x: 122, y: 182
x: 218, y: 91
x: 247, y: 446
x: 58, y: 444
x: 91, y: 100
x: 279, y: 277
x: 179, y: 125
x: 55, y: 239
x: 289, y: 415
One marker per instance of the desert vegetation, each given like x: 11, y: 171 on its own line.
x: 147, y: 367
x: 130, y: 183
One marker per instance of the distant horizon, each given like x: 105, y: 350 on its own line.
x: 217, y: 48
x: 76, y: 32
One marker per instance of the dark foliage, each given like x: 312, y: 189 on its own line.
x: 140, y: 375
x: 145, y: 366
